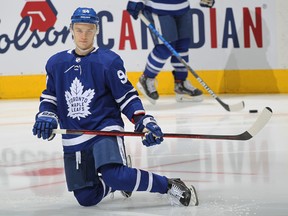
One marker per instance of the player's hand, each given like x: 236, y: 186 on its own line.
x: 207, y: 3
x: 44, y: 125
x: 154, y: 136
x: 134, y: 8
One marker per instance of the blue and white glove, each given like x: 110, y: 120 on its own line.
x: 44, y: 125
x: 134, y: 8
x: 207, y: 3
x: 154, y: 136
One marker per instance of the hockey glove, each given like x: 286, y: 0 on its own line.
x: 134, y: 8
x: 154, y: 136
x: 207, y: 3
x: 44, y: 125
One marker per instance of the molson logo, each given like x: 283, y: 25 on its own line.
x: 39, y: 17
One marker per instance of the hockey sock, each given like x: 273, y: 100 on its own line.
x: 120, y: 177
x: 156, y: 60
x: 180, y: 71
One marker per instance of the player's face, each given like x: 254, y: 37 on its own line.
x: 84, y: 35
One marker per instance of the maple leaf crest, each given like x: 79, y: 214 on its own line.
x: 78, y: 101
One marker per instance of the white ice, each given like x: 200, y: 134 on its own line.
x: 233, y: 178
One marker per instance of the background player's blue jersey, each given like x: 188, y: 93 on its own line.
x: 88, y: 92
x: 167, y: 7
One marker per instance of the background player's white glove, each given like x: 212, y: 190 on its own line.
x: 154, y: 136
x: 207, y: 3
x: 134, y: 8
x: 44, y: 125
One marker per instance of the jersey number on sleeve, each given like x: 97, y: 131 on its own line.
x: 122, y: 76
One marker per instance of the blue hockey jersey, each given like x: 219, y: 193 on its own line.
x: 88, y: 92
x: 167, y: 7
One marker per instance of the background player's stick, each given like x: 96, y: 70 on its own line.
x: 260, y: 122
x: 233, y: 107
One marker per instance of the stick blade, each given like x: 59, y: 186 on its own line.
x: 234, y: 107
x: 261, y: 121
x: 237, y: 107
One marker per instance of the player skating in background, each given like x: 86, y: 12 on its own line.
x: 172, y: 18
x: 87, y: 88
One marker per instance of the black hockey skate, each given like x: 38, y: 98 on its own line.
x: 186, y: 92
x: 179, y: 194
x: 146, y: 86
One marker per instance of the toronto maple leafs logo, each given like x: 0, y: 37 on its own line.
x: 78, y: 101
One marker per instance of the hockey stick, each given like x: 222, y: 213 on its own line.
x: 246, y: 135
x: 234, y: 107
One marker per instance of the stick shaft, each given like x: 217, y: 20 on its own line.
x: 260, y: 122
x: 136, y: 134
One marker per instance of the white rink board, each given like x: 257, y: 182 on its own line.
x: 17, y: 52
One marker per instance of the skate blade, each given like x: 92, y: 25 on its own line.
x: 188, y: 98
x: 141, y: 89
x: 194, y: 197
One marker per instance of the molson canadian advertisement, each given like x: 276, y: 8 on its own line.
x: 230, y: 40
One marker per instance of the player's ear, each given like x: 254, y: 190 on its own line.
x: 71, y: 30
x: 97, y: 28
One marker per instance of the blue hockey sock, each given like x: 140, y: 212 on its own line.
x: 156, y: 60
x: 120, y: 177
x: 181, y: 47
